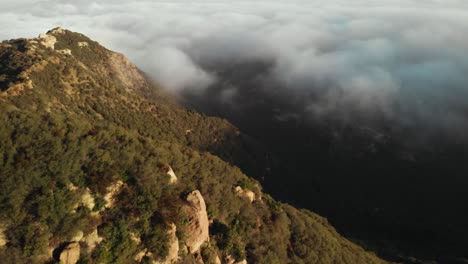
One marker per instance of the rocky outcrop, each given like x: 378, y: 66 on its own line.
x: 47, y: 40
x: 231, y: 260
x: 70, y: 254
x: 245, y: 193
x: 127, y: 73
x: 111, y: 191
x: 172, y: 176
x: 197, y: 228
x: 173, y: 251
x: 91, y: 240
x: 83, y: 44
x: 65, y: 52
x: 87, y: 199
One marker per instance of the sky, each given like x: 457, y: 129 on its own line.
x: 404, y: 59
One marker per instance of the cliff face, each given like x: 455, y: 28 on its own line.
x: 86, y: 141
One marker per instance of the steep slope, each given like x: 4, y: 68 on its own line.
x: 98, y: 165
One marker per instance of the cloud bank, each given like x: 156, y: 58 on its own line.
x: 404, y: 60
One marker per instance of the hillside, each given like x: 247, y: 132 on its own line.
x: 100, y: 166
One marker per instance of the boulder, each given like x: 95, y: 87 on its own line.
x: 197, y: 227
x: 70, y: 254
x: 245, y: 193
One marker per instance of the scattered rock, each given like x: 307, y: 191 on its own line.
x: 197, y: 228
x: 112, y: 190
x: 70, y: 254
x: 245, y: 193
x: 47, y: 40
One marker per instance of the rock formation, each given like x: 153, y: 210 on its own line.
x: 245, y: 193
x: 47, y: 40
x: 173, y: 178
x: 91, y: 240
x: 197, y: 228
x: 70, y: 254
x: 112, y: 190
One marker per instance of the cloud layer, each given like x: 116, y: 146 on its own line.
x: 405, y: 59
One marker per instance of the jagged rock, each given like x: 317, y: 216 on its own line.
x: 47, y: 40
x: 70, y: 254
x: 245, y: 193
x: 92, y: 240
x: 173, y: 178
x: 112, y: 190
x: 197, y: 228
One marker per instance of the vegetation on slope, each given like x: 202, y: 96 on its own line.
x: 74, y: 123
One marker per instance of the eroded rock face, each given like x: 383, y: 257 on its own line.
x: 70, y: 254
x: 197, y: 228
x: 126, y: 72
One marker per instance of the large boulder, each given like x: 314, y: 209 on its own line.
x: 197, y: 228
x: 70, y: 254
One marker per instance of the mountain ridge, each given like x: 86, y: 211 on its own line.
x: 87, y: 142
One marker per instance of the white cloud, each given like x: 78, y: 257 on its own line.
x: 362, y: 54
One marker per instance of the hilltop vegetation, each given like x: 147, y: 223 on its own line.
x: 76, y: 119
